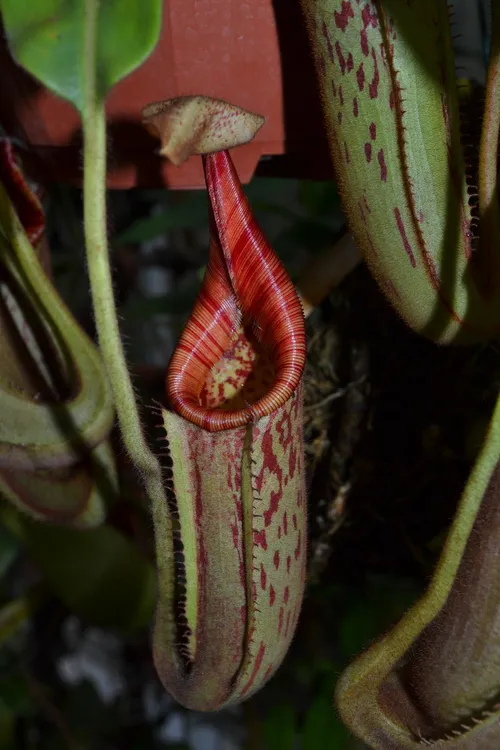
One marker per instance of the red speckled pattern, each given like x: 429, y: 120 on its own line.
x: 279, y: 542
x: 240, y: 377
x: 242, y: 490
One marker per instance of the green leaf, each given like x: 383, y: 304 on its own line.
x: 99, y: 574
x: 47, y: 38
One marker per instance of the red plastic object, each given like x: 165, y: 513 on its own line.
x: 249, y: 53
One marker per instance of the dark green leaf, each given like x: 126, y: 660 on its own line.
x: 99, y: 574
x: 47, y: 38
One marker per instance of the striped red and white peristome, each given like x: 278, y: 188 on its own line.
x: 236, y: 482
x: 245, y: 284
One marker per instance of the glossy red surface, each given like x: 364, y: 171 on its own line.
x: 245, y: 288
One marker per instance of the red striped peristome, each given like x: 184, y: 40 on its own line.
x: 245, y: 287
x: 232, y: 563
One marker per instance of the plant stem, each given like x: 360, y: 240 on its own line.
x: 326, y: 271
x: 95, y: 225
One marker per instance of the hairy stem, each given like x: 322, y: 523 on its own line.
x: 94, y: 132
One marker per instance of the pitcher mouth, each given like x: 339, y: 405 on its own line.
x: 242, y: 352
